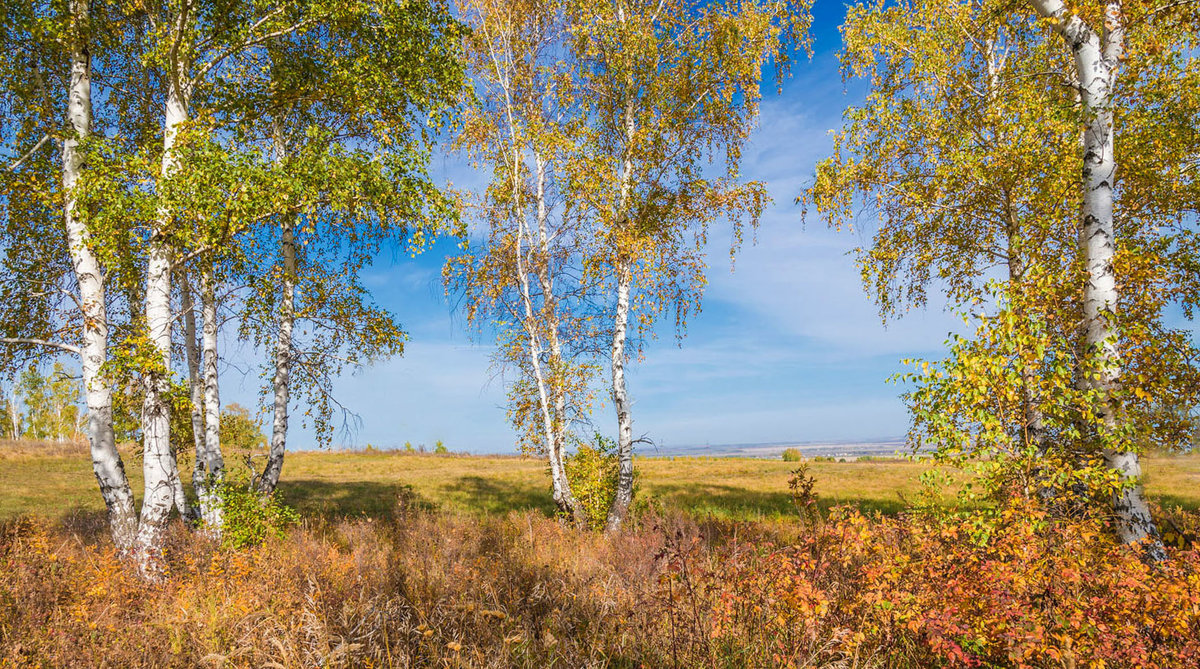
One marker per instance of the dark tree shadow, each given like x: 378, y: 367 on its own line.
x: 735, y: 502
x: 492, y: 496
x: 1187, y: 503
x: 341, y: 499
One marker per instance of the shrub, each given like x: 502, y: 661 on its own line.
x: 522, y: 590
x: 592, y: 473
x: 250, y: 517
x: 440, y: 448
x: 801, y: 488
x: 240, y: 431
x: 792, y: 455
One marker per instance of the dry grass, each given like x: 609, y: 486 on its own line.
x: 49, y: 480
x: 445, y: 589
x: 409, y: 560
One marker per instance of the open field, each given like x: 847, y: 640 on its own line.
x: 343, y: 483
x: 413, y: 560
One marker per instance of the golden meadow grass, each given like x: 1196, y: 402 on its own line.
x: 51, y: 479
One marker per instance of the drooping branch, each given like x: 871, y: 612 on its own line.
x: 18, y: 341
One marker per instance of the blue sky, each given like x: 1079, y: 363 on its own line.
x: 787, y: 347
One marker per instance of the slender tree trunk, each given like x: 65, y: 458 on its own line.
x: 624, y: 270
x: 1034, y: 421
x: 624, y: 496
x: 106, y: 461
x: 560, y: 486
x: 1033, y: 426
x: 550, y: 385
x: 1096, y: 61
x: 214, y: 474
x: 179, y: 494
x: 15, y: 419
x: 159, y: 465
x: 195, y: 387
x: 281, y: 384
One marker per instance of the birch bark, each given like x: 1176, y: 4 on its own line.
x: 283, y: 346
x: 1097, y: 58
x: 195, y: 387
x: 159, y: 466
x: 214, y: 474
x: 624, y: 270
x: 555, y: 441
x: 550, y: 397
x: 561, y: 489
x: 624, y: 495
x: 15, y: 420
x: 106, y: 461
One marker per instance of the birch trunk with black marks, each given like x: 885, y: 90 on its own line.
x: 159, y: 466
x: 560, y: 488
x: 620, y: 395
x: 624, y: 270
x: 214, y: 463
x: 549, y: 397
x: 1097, y: 58
x: 180, y: 494
x: 550, y: 391
x: 195, y: 385
x: 283, y: 347
x: 106, y: 461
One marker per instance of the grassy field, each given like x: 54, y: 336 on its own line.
x: 55, y: 481
x: 417, y: 560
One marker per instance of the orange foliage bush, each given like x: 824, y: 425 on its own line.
x: 428, y: 589
x: 921, y: 591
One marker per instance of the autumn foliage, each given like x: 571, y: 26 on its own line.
x: 1009, y: 588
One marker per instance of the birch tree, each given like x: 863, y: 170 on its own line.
x: 668, y: 90
x: 960, y: 148
x: 1097, y: 39
x: 526, y: 278
x: 48, y: 91
x: 955, y: 150
x: 347, y: 112
x: 191, y: 45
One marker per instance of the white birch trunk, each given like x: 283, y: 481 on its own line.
x: 106, y: 461
x: 281, y: 383
x: 214, y: 474
x: 15, y: 419
x: 195, y: 387
x: 159, y: 466
x: 1096, y: 63
x: 179, y: 495
x: 624, y: 496
x: 624, y: 269
x: 560, y: 486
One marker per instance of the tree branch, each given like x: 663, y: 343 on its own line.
x: 40, y: 342
x: 18, y: 162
